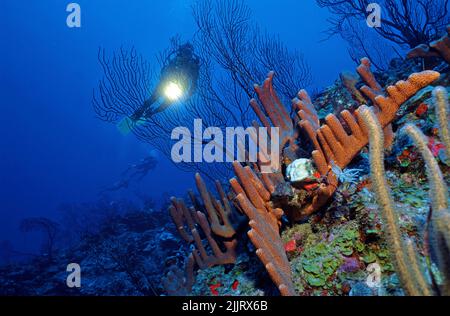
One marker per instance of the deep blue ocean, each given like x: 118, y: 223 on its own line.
x: 224, y: 148
x: 53, y: 148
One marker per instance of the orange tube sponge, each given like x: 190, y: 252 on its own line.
x: 334, y: 144
x: 264, y: 223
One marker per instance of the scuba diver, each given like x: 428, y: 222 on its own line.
x: 141, y: 169
x: 180, y: 73
x: 135, y: 172
x: 121, y: 184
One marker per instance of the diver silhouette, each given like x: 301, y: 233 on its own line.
x: 140, y: 170
x: 135, y: 172
x: 121, y: 184
x: 182, y: 67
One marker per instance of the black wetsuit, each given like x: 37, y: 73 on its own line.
x: 183, y: 69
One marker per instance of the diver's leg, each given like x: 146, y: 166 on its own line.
x: 145, y: 108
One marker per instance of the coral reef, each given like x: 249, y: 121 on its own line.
x: 442, y: 112
x: 440, y: 213
x: 178, y: 282
x: 320, y: 223
x: 245, y: 278
x: 438, y: 48
x: 333, y: 147
x: 217, y: 220
x: 124, y: 256
x: 404, y: 254
x: 333, y: 143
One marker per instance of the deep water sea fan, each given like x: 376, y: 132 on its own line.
x: 49, y: 229
x: 404, y: 257
x: 254, y: 200
x: 405, y: 23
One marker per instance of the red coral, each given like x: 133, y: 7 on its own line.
x: 290, y: 246
x: 363, y: 184
x: 435, y: 147
x: 404, y: 155
x: 422, y: 109
x: 311, y: 186
x: 213, y: 288
x: 235, y: 285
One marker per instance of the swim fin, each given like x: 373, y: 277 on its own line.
x: 126, y: 125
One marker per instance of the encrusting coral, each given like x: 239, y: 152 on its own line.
x: 404, y: 254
